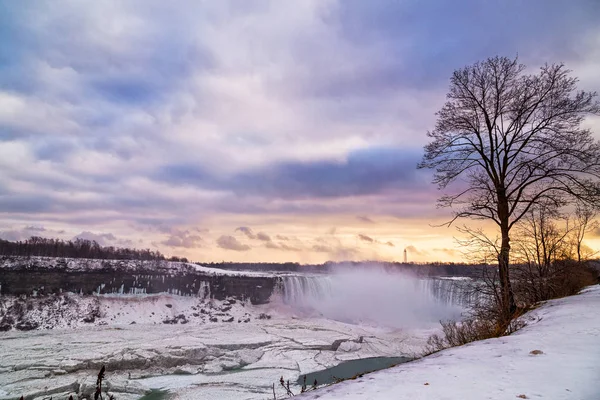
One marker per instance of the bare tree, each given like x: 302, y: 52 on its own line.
x: 542, y: 240
x: 477, y: 245
x: 514, y: 140
x: 585, y: 224
x: 549, y: 255
x: 543, y: 234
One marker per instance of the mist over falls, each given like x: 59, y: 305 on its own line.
x: 375, y: 297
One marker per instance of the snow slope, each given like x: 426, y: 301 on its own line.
x: 566, y: 331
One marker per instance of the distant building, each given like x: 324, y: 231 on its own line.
x: 405, y: 256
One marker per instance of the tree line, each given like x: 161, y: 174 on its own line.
x: 78, y: 248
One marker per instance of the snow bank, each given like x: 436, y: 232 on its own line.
x: 556, y: 357
x: 219, y: 271
x: 88, y: 264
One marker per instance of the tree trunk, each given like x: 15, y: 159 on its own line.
x: 508, y: 306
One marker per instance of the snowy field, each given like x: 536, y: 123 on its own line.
x: 565, y: 333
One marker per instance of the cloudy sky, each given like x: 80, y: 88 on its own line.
x: 249, y: 130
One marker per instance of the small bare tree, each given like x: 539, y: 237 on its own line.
x: 550, y: 255
x: 542, y: 240
x: 585, y: 224
x: 543, y: 237
x: 513, y: 140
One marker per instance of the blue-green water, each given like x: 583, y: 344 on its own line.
x: 156, y: 395
x: 351, y: 368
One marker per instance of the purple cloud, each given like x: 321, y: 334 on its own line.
x: 366, y: 238
x: 230, y: 243
x: 104, y: 239
x: 185, y: 239
x: 281, y: 246
x: 364, y: 218
x: 263, y: 236
x: 246, y: 231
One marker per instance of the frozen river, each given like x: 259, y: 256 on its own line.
x: 221, y: 360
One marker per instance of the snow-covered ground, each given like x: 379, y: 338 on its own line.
x: 90, y: 264
x: 557, y: 356
x: 221, y: 271
x: 199, y: 355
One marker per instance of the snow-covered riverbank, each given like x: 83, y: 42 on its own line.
x: 557, y: 356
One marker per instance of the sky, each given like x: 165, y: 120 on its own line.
x: 250, y: 130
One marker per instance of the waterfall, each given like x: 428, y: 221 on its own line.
x: 374, y: 296
x: 449, y: 290
x: 303, y: 290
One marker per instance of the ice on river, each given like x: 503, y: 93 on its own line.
x: 222, y: 360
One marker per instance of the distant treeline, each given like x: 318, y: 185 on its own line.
x: 78, y: 248
x: 425, y: 268
x: 263, y: 266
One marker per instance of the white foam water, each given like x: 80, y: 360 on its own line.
x: 374, y: 296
